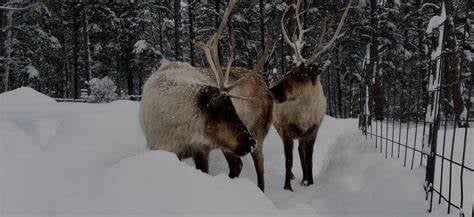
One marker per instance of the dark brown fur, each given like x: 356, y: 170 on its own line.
x: 297, y: 76
x: 258, y: 113
x: 222, y: 124
x: 222, y: 120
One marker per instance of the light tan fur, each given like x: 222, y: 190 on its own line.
x: 299, y: 117
x: 170, y: 118
x: 306, y: 107
x: 166, y: 118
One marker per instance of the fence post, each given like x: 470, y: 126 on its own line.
x: 432, y: 117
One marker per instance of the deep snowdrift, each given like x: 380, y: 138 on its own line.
x: 89, y: 159
x: 95, y: 162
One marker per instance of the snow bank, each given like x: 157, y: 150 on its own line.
x: 76, y: 159
x: 25, y: 96
x: 21, y: 107
x: 95, y: 163
x: 158, y: 182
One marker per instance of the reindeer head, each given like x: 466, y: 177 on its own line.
x: 223, y: 124
x: 303, y: 73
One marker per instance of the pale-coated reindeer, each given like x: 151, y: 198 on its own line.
x: 300, y: 104
x: 185, y: 111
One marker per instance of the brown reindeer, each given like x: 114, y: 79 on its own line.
x: 187, y: 112
x: 256, y: 114
x: 255, y: 110
x: 300, y: 104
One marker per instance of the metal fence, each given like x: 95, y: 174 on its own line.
x: 419, y: 128
x: 83, y: 100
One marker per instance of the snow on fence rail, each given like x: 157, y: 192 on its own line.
x: 424, y: 130
x: 129, y: 97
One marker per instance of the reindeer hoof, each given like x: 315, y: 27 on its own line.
x: 306, y: 182
x: 288, y: 188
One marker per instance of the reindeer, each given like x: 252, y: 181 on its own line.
x: 300, y: 104
x: 186, y: 112
x: 255, y: 110
x: 256, y: 114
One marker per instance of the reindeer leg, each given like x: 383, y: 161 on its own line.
x: 201, y: 160
x: 235, y: 164
x: 302, y: 153
x: 308, y: 144
x: 257, y: 157
x: 288, y: 146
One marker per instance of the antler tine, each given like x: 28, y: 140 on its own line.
x: 232, y: 55
x: 298, y: 43
x: 335, y: 36
x: 283, y: 29
x: 263, y: 56
x: 211, y: 47
x: 301, y: 31
x: 258, y: 66
x: 209, y: 57
x: 237, y: 96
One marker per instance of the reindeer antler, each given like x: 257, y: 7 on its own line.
x: 298, y: 43
x: 258, y: 66
x: 210, y: 50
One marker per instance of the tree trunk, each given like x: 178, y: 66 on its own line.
x: 2, y: 42
x: 75, y: 51
x: 160, y: 32
x: 261, y: 5
x: 374, y: 63
x: 191, y: 31
x: 217, y: 4
x: 64, y: 57
x: 119, y: 76
x: 282, y: 56
x: 178, y: 53
x: 128, y: 67
x: 87, y: 50
x: 451, y: 69
x: 8, y: 48
x: 339, y: 94
x: 423, y: 54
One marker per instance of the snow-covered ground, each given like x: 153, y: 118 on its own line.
x: 77, y: 159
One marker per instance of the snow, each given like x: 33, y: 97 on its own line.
x: 24, y: 96
x: 140, y: 46
x: 435, y: 80
x: 32, y: 71
x: 437, y: 20
x: 92, y: 161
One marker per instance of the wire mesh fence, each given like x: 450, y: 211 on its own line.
x: 420, y: 127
